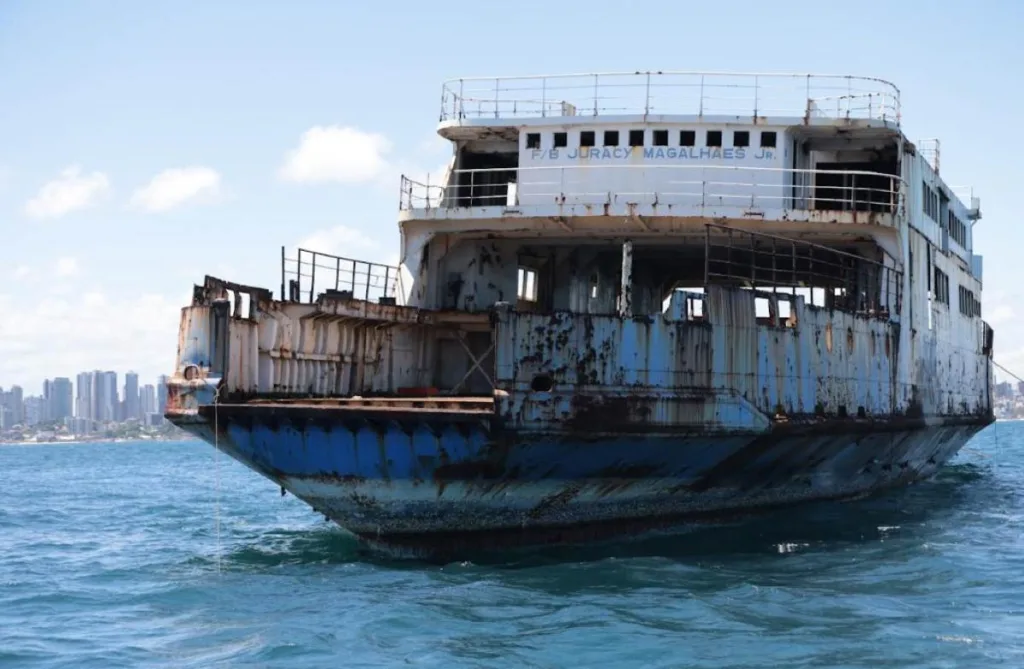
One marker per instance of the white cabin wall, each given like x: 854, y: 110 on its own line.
x: 670, y: 174
x: 945, y: 361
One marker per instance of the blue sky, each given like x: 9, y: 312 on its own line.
x: 168, y: 128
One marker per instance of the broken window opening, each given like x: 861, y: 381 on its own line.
x: 483, y: 176
x: 636, y: 137
x: 561, y: 140
x: 687, y: 137
x: 587, y: 138
x: 527, y: 284
x: 714, y: 138
x: 533, y: 140
x: 611, y: 137
x: 741, y: 138
x: 851, y: 277
x: 660, y: 138
x: 768, y: 139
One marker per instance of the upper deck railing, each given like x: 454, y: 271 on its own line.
x: 690, y: 93
x: 311, y: 273
x: 722, y: 187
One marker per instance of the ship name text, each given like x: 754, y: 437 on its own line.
x: 653, y: 153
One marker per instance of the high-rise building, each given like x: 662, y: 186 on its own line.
x: 61, y: 402
x: 58, y: 400
x: 47, y: 400
x: 104, y: 396
x: 161, y: 394
x: 148, y: 399
x: 16, y: 405
x: 132, y: 409
x: 83, y: 402
x: 35, y: 410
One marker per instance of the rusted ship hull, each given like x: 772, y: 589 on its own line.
x: 442, y: 483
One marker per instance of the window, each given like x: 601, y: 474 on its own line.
x: 661, y: 137
x: 970, y: 306
x: 714, y: 138
x: 941, y: 290
x: 527, y: 284
x: 687, y: 137
x: 931, y: 202
x: 587, y: 138
x: 768, y: 139
x: 533, y: 140
x: 636, y: 137
x: 741, y: 138
x: 561, y: 139
x: 957, y: 228
x: 611, y: 137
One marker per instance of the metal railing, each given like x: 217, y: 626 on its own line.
x: 698, y: 93
x: 311, y: 273
x: 697, y: 186
x: 759, y: 260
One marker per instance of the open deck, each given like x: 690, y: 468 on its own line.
x: 702, y: 94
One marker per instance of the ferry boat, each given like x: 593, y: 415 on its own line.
x: 634, y: 301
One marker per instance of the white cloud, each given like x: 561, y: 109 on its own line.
x: 340, y: 240
x: 338, y: 154
x: 67, y: 267
x: 1000, y: 314
x: 174, y: 187
x: 22, y: 272
x: 71, y: 191
x: 63, y: 335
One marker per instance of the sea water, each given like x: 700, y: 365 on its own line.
x: 167, y: 554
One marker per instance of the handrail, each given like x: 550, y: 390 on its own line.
x: 311, y: 273
x: 748, y: 187
x: 671, y: 92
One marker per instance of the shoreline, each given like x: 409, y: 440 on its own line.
x: 117, y: 440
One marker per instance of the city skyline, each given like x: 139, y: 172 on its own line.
x: 94, y: 398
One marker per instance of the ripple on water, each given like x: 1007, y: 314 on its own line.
x: 113, y: 557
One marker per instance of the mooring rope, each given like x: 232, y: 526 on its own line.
x: 1008, y: 371
x: 216, y: 469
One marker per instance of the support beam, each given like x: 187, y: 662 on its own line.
x: 626, y: 290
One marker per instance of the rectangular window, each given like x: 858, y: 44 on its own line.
x: 687, y: 137
x: 661, y: 137
x: 714, y: 138
x: 636, y: 137
x: 611, y: 137
x: 941, y: 291
x: 741, y: 138
x: 527, y: 284
x: 533, y: 140
x: 587, y: 138
x: 768, y: 139
x: 561, y: 139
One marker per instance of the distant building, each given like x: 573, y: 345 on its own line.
x: 104, y: 397
x: 35, y: 411
x: 83, y: 400
x: 132, y: 409
x: 161, y: 396
x: 61, y: 404
x: 12, y: 409
x: 147, y: 398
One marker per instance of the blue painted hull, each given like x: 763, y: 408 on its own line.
x: 446, y: 483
